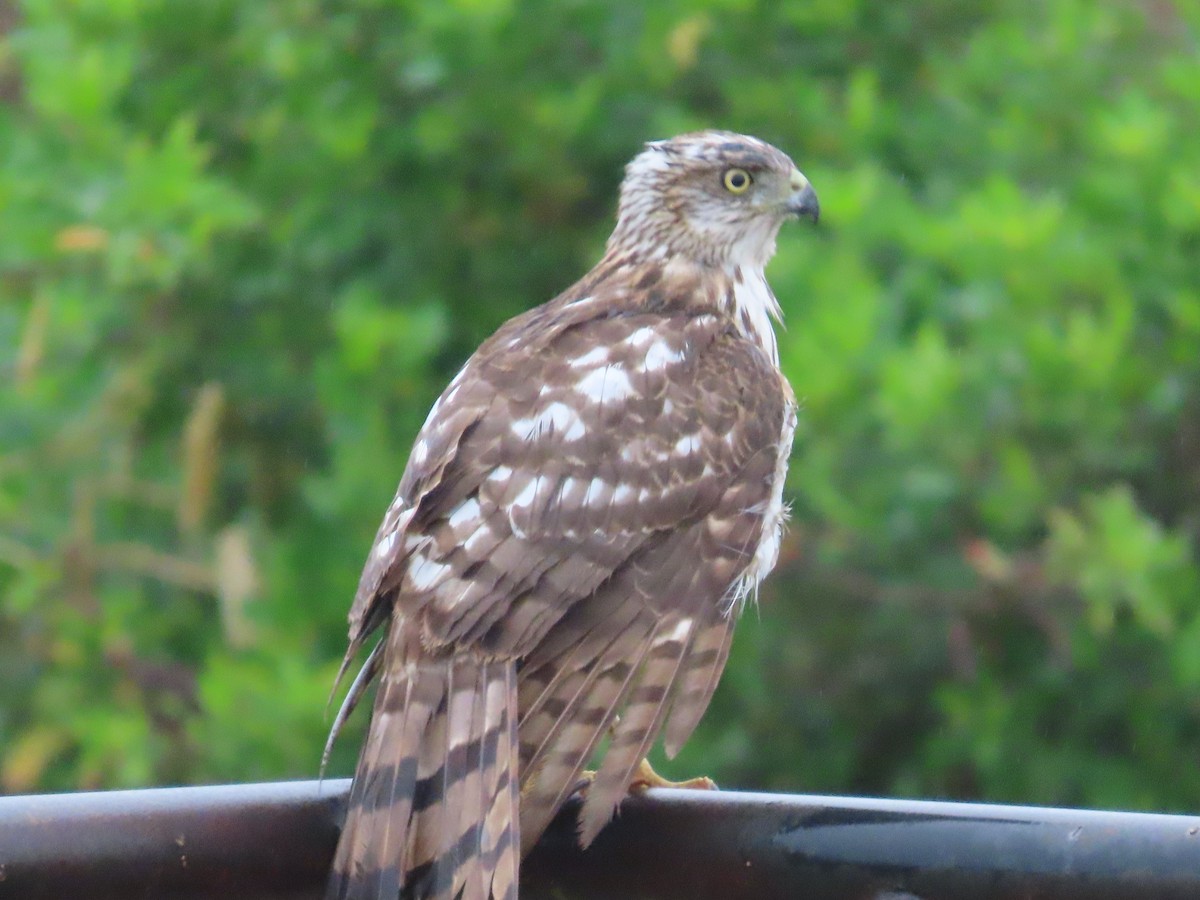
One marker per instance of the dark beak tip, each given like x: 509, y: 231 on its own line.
x: 805, y: 204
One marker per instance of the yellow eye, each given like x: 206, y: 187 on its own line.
x: 736, y: 181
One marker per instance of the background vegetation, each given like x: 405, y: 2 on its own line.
x: 243, y: 245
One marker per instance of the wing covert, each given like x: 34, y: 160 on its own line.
x: 555, y: 459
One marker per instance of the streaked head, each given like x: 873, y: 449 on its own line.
x: 714, y: 196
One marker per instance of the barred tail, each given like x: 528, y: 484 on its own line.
x: 433, y: 810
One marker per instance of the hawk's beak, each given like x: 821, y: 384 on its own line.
x: 803, y: 201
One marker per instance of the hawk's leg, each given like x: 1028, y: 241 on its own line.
x: 646, y: 778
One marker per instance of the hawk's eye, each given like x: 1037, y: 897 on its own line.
x: 736, y: 181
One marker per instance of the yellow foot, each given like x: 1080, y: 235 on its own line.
x: 586, y: 777
x: 645, y: 778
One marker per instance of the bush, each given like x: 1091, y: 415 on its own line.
x: 244, y: 248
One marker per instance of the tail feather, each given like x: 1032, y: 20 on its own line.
x: 377, y: 815
x: 464, y: 736
x: 475, y: 801
x: 431, y: 806
x: 502, y: 834
x: 424, y: 831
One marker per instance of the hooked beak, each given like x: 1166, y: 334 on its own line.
x: 803, y: 201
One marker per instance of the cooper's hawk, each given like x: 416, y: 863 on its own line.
x: 583, y: 513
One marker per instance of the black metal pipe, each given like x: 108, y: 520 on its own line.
x: 276, y: 840
x: 706, y: 846
x: 236, y: 841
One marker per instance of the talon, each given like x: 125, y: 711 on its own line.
x: 646, y: 778
x: 586, y: 777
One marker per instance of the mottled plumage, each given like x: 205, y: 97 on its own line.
x: 582, y: 514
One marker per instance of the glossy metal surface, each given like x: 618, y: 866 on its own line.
x: 731, y: 845
x: 275, y: 840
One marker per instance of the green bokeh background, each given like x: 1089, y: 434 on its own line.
x: 243, y: 245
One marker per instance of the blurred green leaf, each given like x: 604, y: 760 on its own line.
x: 991, y: 586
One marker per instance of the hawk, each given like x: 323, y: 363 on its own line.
x: 584, y: 511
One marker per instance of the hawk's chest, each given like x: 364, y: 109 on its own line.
x: 775, y: 514
x: 753, y: 306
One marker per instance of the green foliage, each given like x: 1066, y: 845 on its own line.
x: 242, y: 250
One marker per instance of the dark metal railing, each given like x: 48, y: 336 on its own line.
x: 276, y: 840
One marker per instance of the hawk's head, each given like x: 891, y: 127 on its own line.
x: 714, y: 196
